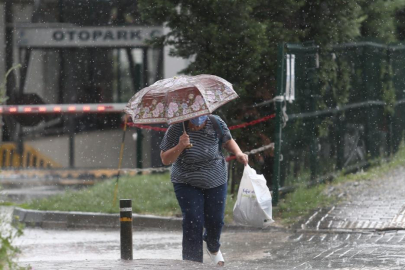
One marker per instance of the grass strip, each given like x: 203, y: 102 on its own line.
x: 150, y: 194
x: 153, y: 194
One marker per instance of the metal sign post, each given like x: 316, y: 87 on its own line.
x: 290, y: 78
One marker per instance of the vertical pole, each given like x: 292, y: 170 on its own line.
x: 145, y: 72
x: 61, y: 59
x: 233, y: 173
x: 389, y: 81
x: 389, y: 148
x: 283, y: 172
x: 23, y: 78
x: 119, y: 90
x: 370, y: 111
x: 72, y: 98
x: 314, y: 143
x: 340, y: 140
x: 139, y: 71
x: 126, y: 229
x: 132, y: 69
x: 14, y: 128
x: 139, y: 144
x: 71, y: 119
x: 11, y: 81
x: 397, y: 119
x: 8, y: 13
x: 71, y: 123
x: 139, y: 141
x: 313, y: 140
x: 120, y: 158
x: 160, y: 65
x: 278, y: 128
x: 61, y: 79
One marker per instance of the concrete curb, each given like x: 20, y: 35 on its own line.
x: 82, y: 220
x: 87, y: 220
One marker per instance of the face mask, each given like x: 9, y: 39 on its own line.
x: 198, y: 121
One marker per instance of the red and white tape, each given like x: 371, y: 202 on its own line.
x: 63, y: 108
x: 254, y: 122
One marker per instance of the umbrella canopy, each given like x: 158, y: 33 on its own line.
x: 179, y: 98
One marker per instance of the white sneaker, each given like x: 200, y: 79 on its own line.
x: 216, y: 258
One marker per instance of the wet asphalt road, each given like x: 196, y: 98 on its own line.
x: 271, y: 249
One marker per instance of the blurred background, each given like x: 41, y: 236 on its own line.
x: 331, y: 72
x: 77, y: 52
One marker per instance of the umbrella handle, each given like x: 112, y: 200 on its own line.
x: 190, y: 145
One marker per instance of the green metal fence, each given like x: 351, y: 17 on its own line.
x: 348, y: 109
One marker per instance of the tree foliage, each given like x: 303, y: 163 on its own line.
x: 379, y: 21
x: 237, y: 40
x: 8, y: 252
x: 328, y: 22
x: 234, y: 39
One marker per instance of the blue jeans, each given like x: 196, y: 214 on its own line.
x: 201, y: 208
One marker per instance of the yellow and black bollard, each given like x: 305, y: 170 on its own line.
x: 126, y: 229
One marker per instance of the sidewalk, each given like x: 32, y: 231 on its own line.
x: 377, y: 204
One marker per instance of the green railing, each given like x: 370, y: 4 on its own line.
x: 349, y: 109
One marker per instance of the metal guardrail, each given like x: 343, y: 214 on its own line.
x: 343, y: 108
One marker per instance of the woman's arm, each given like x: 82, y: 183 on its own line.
x: 170, y: 156
x: 233, y: 147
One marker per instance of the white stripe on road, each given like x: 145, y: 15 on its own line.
x: 333, y: 252
x: 344, y: 253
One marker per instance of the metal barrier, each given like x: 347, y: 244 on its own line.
x: 31, y: 158
x: 61, y: 124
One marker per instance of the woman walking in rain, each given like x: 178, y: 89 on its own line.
x: 199, y: 178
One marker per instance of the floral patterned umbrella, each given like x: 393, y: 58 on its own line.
x: 179, y: 98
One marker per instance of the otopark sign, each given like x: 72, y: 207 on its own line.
x: 42, y: 36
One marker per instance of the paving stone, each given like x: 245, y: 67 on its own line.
x: 374, y: 204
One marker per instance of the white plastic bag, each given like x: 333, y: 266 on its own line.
x: 253, y: 205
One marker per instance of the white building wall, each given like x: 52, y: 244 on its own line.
x: 172, y: 65
x: 101, y: 149
x: 54, y: 148
x: 35, y: 75
x: 96, y: 149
